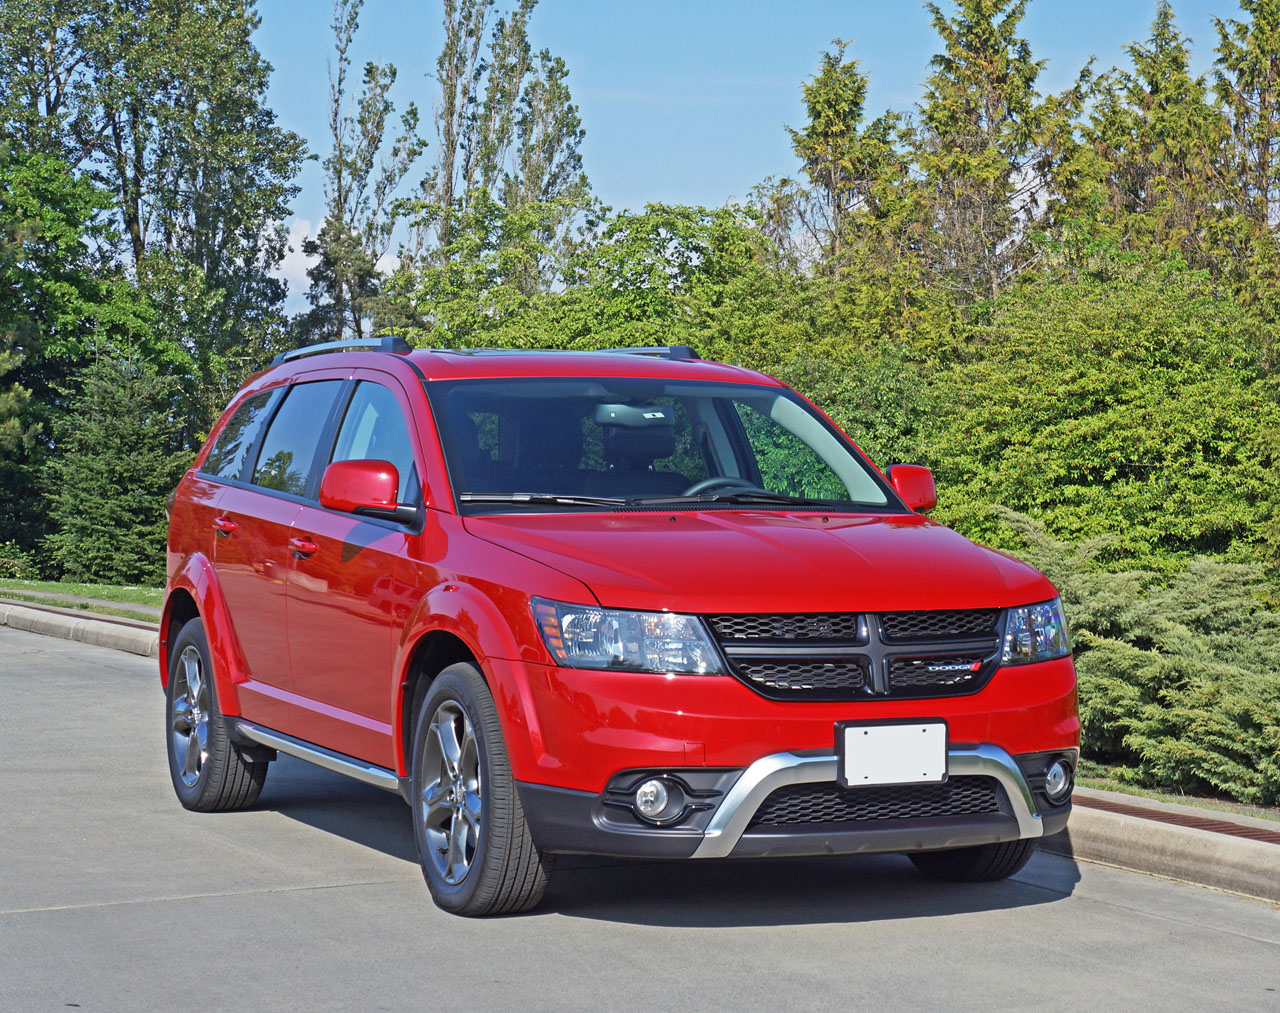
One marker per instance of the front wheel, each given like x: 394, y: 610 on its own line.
x: 984, y: 863
x: 477, y: 855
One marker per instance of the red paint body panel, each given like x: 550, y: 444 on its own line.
x: 757, y: 561
x: 321, y: 646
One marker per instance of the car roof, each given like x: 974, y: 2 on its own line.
x: 492, y: 363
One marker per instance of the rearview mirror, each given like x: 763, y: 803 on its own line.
x: 365, y: 487
x: 915, y: 485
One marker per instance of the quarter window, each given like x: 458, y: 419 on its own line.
x: 373, y: 429
x: 289, y: 448
x: 227, y: 458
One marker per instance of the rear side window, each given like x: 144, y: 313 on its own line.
x: 227, y: 458
x: 289, y: 448
x: 374, y: 430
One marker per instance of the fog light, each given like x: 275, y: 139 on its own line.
x: 1057, y: 781
x: 651, y: 799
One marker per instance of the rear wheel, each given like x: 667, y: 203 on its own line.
x: 981, y: 864
x: 476, y: 852
x: 209, y: 774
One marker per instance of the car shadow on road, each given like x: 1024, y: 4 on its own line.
x: 791, y: 891
x: 357, y: 812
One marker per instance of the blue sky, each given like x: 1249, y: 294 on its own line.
x: 686, y: 102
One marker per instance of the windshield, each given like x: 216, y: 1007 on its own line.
x: 582, y: 443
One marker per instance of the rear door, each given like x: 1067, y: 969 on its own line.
x: 341, y: 586
x: 251, y: 550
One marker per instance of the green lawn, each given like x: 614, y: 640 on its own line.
x: 130, y: 594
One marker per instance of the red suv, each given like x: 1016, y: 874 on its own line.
x: 627, y: 603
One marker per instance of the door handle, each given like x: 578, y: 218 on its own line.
x: 302, y: 547
x: 224, y: 526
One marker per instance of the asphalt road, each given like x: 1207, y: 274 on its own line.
x: 113, y: 897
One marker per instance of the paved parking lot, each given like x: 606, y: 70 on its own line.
x: 113, y: 897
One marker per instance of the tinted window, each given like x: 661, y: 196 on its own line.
x: 373, y: 429
x: 511, y: 443
x: 227, y: 457
x: 284, y: 462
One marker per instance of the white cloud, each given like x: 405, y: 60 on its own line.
x: 293, y: 268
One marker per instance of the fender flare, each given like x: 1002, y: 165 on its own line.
x: 199, y: 579
x: 472, y: 617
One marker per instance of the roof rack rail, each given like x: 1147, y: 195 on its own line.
x: 661, y: 351
x: 397, y: 346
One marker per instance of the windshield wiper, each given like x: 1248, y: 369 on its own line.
x: 540, y: 498
x: 746, y: 496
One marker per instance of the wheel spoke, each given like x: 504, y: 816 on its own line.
x: 434, y: 804
x: 471, y: 812
x: 456, y: 861
x: 195, y: 679
x: 191, y: 758
x: 181, y: 714
x: 446, y: 735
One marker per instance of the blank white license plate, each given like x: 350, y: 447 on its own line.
x: 900, y: 753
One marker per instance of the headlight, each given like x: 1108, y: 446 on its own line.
x: 1035, y: 633
x: 586, y: 636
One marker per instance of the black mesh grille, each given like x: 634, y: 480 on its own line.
x: 960, y: 624
x: 922, y: 673
x: 835, y: 676
x: 826, y: 626
x: 829, y: 803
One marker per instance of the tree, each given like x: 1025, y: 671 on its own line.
x: 842, y: 160
x: 360, y: 186
x: 53, y: 305
x: 121, y: 456
x: 978, y: 146
x: 1161, y: 142
x: 508, y: 131
x: 1247, y: 82
x: 161, y: 103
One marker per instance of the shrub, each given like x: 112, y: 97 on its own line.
x: 1179, y: 678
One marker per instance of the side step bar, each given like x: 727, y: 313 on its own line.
x: 339, y: 763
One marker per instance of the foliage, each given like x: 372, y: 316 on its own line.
x: 1125, y: 404
x: 121, y: 456
x: 1178, y: 680
x: 362, y: 174
x: 53, y: 305
x: 15, y: 561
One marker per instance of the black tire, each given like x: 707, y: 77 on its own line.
x: 209, y: 774
x: 477, y: 855
x: 982, y: 864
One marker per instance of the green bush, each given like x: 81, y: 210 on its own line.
x: 1179, y: 679
x: 15, y: 562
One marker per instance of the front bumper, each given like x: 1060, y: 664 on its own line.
x: 564, y: 820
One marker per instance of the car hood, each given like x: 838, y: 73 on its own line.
x: 758, y: 561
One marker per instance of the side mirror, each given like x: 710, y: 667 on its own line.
x: 915, y: 485
x: 365, y: 487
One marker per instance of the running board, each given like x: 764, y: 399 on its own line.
x: 339, y: 763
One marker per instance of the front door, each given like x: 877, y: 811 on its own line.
x: 340, y: 590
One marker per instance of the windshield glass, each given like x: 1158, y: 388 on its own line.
x: 574, y: 443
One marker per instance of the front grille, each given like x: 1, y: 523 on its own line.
x: 834, y: 677
x: 956, y: 624
x: 829, y: 803
x: 826, y: 626
x: 849, y: 655
x: 940, y: 672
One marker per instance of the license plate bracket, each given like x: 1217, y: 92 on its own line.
x: 910, y: 751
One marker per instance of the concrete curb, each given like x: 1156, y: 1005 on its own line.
x: 101, y: 631
x: 1196, y: 856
